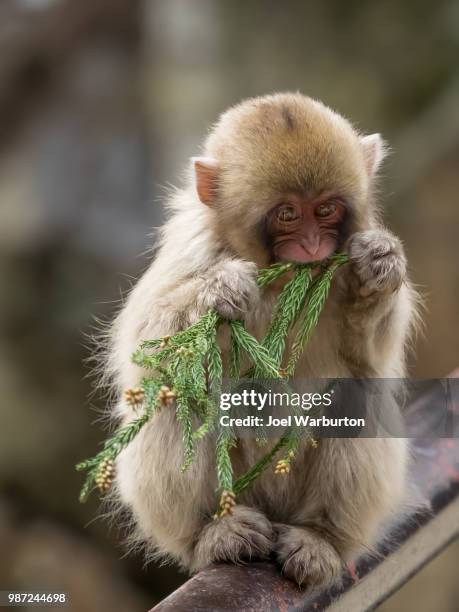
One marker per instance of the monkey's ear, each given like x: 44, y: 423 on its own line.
x: 206, y: 171
x: 374, y: 150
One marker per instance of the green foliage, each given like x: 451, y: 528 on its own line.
x: 258, y: 354
x: 187, y: 372
x: 269, y: 275
x: 112, y: 448
x: 259, y: 467
x: 315, y: 303
x: 225, y: 441
x: 289, y: 305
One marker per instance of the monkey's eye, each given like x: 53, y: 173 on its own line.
x: 287, y: 213
x: 326, y: 209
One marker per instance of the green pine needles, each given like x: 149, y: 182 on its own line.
x: 187, y: 373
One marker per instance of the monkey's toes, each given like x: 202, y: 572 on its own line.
x: 307, y: 558
x: 242, y: 536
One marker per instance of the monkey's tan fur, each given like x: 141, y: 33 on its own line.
x: 332, y: 503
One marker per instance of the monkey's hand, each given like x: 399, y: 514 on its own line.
x: 377, y: 262
x: 231, y: 289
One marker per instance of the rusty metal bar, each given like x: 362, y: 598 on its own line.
x: 414, y: 541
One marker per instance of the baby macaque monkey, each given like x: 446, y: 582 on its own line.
x: 283, y: 178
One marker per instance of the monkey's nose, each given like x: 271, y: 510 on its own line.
x: 311, y: 243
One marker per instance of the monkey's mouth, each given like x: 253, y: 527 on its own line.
x: 294, y: 251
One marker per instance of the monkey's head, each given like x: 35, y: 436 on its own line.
x: 287, y: 179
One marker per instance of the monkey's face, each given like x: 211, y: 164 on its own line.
x: 287, y: 173
x: 305, y: 228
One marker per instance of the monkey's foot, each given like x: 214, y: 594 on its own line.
x: 306, y: 557
x: 244, y: 535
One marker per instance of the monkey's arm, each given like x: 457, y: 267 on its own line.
x: 229, y: 286
x: 377, y: 304
x: 171, y: 295
x: 173, y: 509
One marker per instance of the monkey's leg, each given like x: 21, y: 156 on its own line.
x: 174, y: 510
x: 167, y: 505
x: 352, y: 485
x: 306, y: 557
x: 246, y: 534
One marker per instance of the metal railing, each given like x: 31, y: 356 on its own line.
x: 411, y: 543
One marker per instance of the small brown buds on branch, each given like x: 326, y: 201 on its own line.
x: 164, y: 342
x: 166, y: 396
x: 105, y: 475
x: 227, y: 503
x: 282, y: 466
x: 184, y: 352
x: 134, y: 397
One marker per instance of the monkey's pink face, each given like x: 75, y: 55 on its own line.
x: 304, y: 229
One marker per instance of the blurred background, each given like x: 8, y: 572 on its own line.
x: 102, y: 102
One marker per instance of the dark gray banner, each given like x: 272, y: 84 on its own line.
x: 341, y: 408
